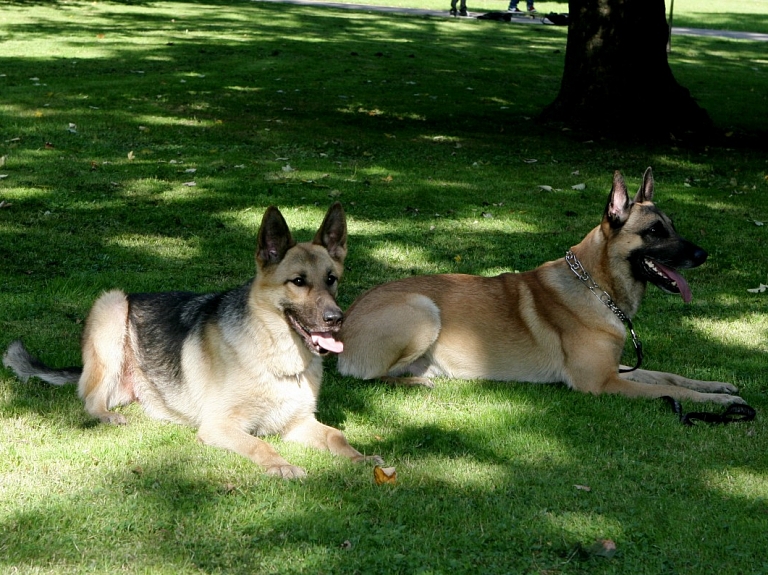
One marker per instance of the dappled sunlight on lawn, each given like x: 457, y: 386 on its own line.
x: 167, y: 248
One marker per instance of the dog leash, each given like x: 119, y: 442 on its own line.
x: 735, y: 412
x: 602, y: 295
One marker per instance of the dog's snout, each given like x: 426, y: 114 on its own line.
x: 333, y: 317
x: 699, y: 256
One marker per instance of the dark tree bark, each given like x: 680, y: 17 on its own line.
x: 617, y: 79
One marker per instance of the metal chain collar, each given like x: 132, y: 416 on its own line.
x: 602, y: 295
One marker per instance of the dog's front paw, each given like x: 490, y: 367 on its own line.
x: 724, y: 399
x: 375, y: 459
x: 113, y: 418
x: 286, y: 471
x: 728, y: 388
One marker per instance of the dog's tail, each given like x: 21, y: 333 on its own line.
x: 25, y: 365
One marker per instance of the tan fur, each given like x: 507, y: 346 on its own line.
x: 542, y: 326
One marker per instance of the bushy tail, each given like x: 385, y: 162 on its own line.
x: 17, y: 358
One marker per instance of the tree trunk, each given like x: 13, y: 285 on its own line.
x: 617, y: 79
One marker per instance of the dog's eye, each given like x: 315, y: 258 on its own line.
x: 299, y: 281
x: 332, y: 279
x: 658, y: 231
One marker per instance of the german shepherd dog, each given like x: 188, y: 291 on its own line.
x: 234, y: 364
x: 544, y: 325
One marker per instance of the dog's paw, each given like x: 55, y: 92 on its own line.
x: 724, y: 399
x: 375, y: 459
x: 714, y: 387
x: 113, y: 418
x: 286, y: 471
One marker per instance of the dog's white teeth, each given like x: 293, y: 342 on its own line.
x: 653, y: 268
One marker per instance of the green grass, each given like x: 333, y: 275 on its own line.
x: 419, y: 126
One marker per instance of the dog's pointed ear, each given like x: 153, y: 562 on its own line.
x: 617, y: 209
x: 274, y: 238
x: 332, y: 234
x: 645, y: 193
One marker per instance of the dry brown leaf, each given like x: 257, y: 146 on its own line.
x: 383, y: 475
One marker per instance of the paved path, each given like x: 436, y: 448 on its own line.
x: 444, y: 14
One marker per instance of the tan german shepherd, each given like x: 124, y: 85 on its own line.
x: 234, y: 364
x: 551, y: 324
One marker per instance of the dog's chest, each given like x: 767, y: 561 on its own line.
x: 271, y: 405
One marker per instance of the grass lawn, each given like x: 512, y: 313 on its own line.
x: 141, y: 143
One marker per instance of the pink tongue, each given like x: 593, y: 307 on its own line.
x: 325, y: 341
x: 682, y: 285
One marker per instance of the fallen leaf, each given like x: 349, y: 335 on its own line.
x: 575, y: 173
x: 4, y: 204
x: 759, y: 289
x: 189, y: 184
x: 190, y: 170
x: 2, y: 160
x: 387, y: 179
x: 579, y: 187
x: 3, y: 176
x: 288, y: 168
x: 383, y: 475
x: 130, y: 155
x: 546, y: 188
x: 531, y: 161
x: 346, y: 544
x: 758, y: 223
x: 583, y: 487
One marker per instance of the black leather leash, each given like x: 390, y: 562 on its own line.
x: 735, y: 412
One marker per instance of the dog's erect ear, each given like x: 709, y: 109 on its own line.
x: 332, y: 234
x: 274, y: 238
x: 617, y: 209
x: 645, y: 193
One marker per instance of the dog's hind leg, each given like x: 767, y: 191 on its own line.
x: 386, y: 335
x: 101, y: 384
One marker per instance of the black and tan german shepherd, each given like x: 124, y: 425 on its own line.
x: 544, y: 325
x: 234, y: 364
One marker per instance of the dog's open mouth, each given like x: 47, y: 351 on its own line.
x: 320, y: 342
x: 667, y: 278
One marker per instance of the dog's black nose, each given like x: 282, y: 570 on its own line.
x: 333, y: 317
x: 699, y: 257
